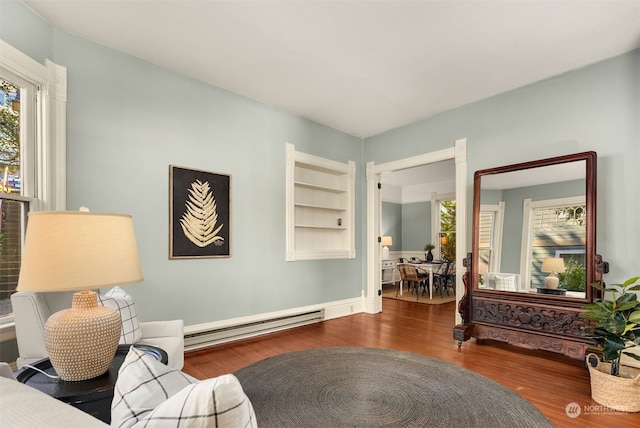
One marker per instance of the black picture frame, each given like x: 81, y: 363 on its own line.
x: 199, y: 213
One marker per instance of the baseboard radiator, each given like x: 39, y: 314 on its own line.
x: 208, y: 337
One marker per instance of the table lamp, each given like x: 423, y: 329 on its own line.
x: 386, y: 241
x: 552, y: 265
x: 67, y: 251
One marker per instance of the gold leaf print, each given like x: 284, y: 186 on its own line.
x: 201, y: 215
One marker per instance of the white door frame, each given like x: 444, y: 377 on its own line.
x: 459, y: 154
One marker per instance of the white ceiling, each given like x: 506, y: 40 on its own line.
x: 362, y: 67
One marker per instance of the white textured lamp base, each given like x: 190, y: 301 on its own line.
x: 385, y: 252
x: 551, y: 282
x: 82, y: 341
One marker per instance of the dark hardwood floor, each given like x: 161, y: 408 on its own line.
x: 549, y: 381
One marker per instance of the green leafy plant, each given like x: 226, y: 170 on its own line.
x: 429, y: 247
x: 573, y: 278
x: 616, y: 322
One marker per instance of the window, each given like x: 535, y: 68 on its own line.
x: 553, y: 228
x: 486, y: 242
x: 490, y: 239
x: 17, y: 139
x: 557, y: 231
x: 447, y: 234
x: 32, y: 155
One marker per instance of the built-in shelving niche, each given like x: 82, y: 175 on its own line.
x: 320, y: 198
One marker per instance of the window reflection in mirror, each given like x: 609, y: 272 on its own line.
x: 530, y: 215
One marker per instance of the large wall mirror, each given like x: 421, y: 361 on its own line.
x: 533, y: 255
x: 533, y: 221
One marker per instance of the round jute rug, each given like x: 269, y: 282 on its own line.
x: 365, y: 387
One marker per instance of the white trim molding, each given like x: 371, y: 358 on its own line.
x: 459, y: 153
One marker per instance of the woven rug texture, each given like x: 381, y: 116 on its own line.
x: 366, y: 387
x: 407, y: 296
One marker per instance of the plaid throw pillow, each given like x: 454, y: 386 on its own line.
x: 507, y: 282
x: 149, y: 394
x: 118, y: 299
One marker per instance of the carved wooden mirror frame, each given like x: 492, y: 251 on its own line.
x: 521, y: 316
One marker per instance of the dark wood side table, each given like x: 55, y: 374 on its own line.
x: 92, y: 396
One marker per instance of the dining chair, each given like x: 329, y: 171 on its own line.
x: 409, y: 274
x: 442, y: 277
x: 451, y: 277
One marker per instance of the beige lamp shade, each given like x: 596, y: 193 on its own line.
x: 74, y: 250
x: 77, y: 251
x: 552, y: 265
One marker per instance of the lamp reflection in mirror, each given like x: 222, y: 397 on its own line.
x: 386, y: 242
x: 80, y: 250
x: 552, y: 265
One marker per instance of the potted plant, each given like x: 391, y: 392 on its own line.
x: 615, y: 327
x: 428, y: 248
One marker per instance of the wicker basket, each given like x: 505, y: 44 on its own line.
x: 618, y: 393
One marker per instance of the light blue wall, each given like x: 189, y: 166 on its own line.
x: 595, y: 108
x: 25, y: 30
x: 128, y: 120
x: 416, y: 225
x: 408, y: 224
x: 391, y: 224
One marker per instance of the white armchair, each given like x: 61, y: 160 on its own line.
x: 32, y: 310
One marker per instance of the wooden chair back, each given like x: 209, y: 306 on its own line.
x: 408, y: 272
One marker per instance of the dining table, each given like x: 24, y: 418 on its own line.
x: 427, y: 267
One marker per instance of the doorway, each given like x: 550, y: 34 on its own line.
x: 458, y: 153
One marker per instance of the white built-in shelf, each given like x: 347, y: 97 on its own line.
x: 320, y: 207
x: 320, y: 198
x: 318, y: 187
x: 318, y: 226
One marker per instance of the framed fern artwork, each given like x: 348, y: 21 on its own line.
x: 199, y: 214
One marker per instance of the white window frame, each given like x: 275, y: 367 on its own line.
x: 44, y: 165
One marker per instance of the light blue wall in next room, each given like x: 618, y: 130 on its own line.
x: 408, y: 224
x: 391, y: 224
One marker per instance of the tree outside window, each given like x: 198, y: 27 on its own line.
x: 448, y: 230
x: 9, y: 136
x: 11, y: 211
